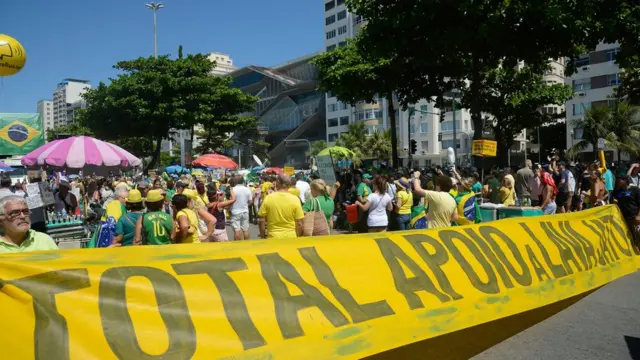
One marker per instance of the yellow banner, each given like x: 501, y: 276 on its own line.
x: 345, y: 296
x: 484, y: 148
x: 289, y: 170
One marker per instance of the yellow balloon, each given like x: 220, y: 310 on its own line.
x: 12, y: 55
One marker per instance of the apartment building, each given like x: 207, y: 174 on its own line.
x: 594, y: 81
x: 68, y: 96
x: 224, y: 63
x: 45, y: 109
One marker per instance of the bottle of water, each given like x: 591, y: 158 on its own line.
x: 517, y: 202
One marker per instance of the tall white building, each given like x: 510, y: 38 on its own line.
x: 597, y: 74
x: 224, y: 64
x: 45, y: 109
x: 67, y: 93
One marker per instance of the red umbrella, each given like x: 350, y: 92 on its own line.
x: 275, y: 170
x: 215, y: 161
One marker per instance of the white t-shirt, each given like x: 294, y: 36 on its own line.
x: 571, y: 182
x: 378, y: 210
x: 303, y: 186
x: 243, y: 197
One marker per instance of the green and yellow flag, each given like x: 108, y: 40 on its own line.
x: 20, y: 133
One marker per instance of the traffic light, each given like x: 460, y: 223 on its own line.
x: 442, y: 115
x: 414, y: 146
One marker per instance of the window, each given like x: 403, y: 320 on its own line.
x: 342, y: 43
x: 613, y: 80
x: 332, y: 137
x: 368, y: 115
x: 424, y: 127
x: 330, y: 20
x: 448, y: 125
x: 577, y: 133
x: 424, y: 145
x: 344, y: 120
x: 332, y: 107
x: 584, y: 61
x: 342, y: 106
x: 332, y: 122
x: 331, y: 34
x: 342, y: 14
x: 579, y: 109
x: 359, y: 19
x: 342, y: 30
x: 424, y: 108
x: 612, y: 54
x: 449, y: 144
x: 331, y: 47
x: 329, y: 5
x: 340, y: 2
x: 582, y: 84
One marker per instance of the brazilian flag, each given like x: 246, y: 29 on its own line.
x: 20, y: 133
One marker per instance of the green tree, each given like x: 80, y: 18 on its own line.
x: 75, y: 128
x: 355, y: 139
x: 317, y: 147
x: 378, y: 145
x: 595, y: 125
x: 624, y: 129
x: 436, y: 46
x: 552, y: 137
x: 153, y: 96
x: 353, y: 75
x: 514, y: 97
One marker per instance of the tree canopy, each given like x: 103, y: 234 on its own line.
x: 151, y: 97
x: 353, y: 76
x: 436, y: 46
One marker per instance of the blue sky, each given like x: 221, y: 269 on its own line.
x: 84, y: 38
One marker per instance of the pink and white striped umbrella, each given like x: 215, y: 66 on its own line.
x: 78, y: 152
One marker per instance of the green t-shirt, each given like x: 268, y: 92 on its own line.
x: 170, y: 194
x: 157, y: 226
x: 126, y: 227
x: 477, y: 187
x: 494, y: 185
x: 326, y: 204
x: 363, y: 190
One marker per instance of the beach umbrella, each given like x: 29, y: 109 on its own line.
x: 338, y: 151
x: 80, y: 152
x: 5, y: 168
x: 174, y: 169
x: 215, y: 161
x: 274, y: 170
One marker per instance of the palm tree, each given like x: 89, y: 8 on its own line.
x: 624, y: 130
x: 355, y: 139
x: 594, y: 125
x: 379, y: 145
x: 317, y: 147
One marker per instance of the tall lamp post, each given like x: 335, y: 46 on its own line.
x: 155, y: 7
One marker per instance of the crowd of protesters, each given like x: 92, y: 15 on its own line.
x: 186, y: 209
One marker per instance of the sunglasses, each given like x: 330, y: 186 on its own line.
x: 16, y: 213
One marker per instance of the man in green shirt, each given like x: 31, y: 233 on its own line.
x: 156, y: 226
x: 362, y: 193
x: 494, y: 187
x: 15, y: 226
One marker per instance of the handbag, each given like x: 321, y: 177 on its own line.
x: 314, y: 222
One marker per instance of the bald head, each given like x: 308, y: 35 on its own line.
x: 283, y: 181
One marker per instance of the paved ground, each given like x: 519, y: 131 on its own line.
x: 604, y: 325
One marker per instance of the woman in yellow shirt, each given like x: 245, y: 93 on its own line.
x: 186, y: 221
x: 404, y: 202
x: 507, y: 192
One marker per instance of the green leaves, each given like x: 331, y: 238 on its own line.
x: 150, y: 97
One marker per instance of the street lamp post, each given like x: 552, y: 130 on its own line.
x: 155, y: 7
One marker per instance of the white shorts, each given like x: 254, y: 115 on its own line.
x: 240, y: 222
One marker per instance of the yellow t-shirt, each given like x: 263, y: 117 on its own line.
x: 507, y: 197
x: 265, y: 187
x: 294, y: 191
x: 203, y: 198
x: 407, y: 202
x: 441, y: 207
x: 282, y: 210
x: 192, y: 238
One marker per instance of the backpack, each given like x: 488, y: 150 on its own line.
x: 466, y: 209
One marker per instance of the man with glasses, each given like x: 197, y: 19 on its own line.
x: 15, y: 226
